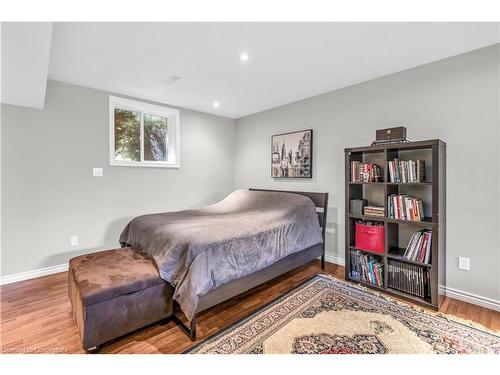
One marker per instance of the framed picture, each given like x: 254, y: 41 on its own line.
x: 291, y: 154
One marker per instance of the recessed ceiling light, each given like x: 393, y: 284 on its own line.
x: 244, y: 57
x: 216, y: 104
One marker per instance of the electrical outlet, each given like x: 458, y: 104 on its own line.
x: 463, y: 263
x: 97, y: 172
x: 74, y: 240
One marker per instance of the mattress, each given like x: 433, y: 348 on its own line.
x: 200, y: 250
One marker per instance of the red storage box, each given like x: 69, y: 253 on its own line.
x: 370, y: 237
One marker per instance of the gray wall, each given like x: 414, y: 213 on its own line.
x: 456, y: 100
x: 49, y: 194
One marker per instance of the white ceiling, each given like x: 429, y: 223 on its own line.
x: 25, y: 62
x: 287, y: 61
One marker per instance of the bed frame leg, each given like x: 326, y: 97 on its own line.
x: 191, y: 331
x: 192, y: 334
x: 323, y: 262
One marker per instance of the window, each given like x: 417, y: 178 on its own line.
x: 142, y: 134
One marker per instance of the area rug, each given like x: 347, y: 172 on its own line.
x: 328, y: 316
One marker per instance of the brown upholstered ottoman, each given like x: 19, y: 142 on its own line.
x: 115, y: 292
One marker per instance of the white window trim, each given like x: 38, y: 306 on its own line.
x: 149, y: 109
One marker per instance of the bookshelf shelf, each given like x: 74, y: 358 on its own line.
x: 399, y: 256
x: 367, y: 217
x: 395, y: 292
x: 427, y: 221
x: 392, y: 183
x: 366, y: 251
x: 367, y: 183
x: 421, y: 301
x: 354, y: 280
x: 409, y: 183
x: 432, y: 192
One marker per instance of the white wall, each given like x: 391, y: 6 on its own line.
x: 456, y: 100
x: 49, y: 194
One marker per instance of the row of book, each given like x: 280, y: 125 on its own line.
x: 365, y: 172
x: 409, y: 278
x: 405, y: 207
x: 419, y: 246
x: 374, y: 211
x: 366, y: 268
x: 406, y: 171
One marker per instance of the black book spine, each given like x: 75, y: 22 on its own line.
x: 398, y: 284
x: 413, y: 279
x: 422, y: 279
x: 422, y: 282
x: 428, y: 284
x: 410, y: 278
x: 390, y: 275
x: 405, y: 277
x: 400, y: 278
x: 417, y: 278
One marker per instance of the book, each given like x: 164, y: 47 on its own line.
x: 419, y: 246
x: 366, y: 268
x: 409, y: 278
x: 365, y: 172
x: 406, y: 171
x: 423, y: 249
x: 428, y: 249
x: 404, y: 207
x: 374, y: 211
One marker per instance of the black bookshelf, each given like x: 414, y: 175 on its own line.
x: 432, y: 191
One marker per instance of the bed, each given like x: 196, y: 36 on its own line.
x: 213, y: 254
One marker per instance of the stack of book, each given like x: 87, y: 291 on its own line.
x: 419, y: 247
x: 404, y: 207
x: 409, y: 278
x: 406, y: 171
x: 365, y: 172
x: 374, y: 211
x: 366, y: 268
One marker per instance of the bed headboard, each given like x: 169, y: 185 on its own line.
x: 320, y: 200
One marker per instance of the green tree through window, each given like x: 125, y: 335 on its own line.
x: 155, y: 138
x: 127, y: 135
x: 143, y: 134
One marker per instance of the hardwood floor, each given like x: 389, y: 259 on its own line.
x: 36, y: 316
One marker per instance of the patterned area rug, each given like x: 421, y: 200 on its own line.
x: 328, y: 316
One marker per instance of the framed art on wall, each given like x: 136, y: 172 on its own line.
x: 291, y: 154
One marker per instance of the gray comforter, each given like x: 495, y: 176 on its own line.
x: 199, y: 250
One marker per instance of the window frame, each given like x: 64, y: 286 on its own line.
x: 173, y: 132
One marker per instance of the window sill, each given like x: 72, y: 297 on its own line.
x: 145, y: 165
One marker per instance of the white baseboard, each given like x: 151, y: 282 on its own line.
x: 335, y: 259
x: 9, y: 279
x: 14, y: 278
x: 460, y: 295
